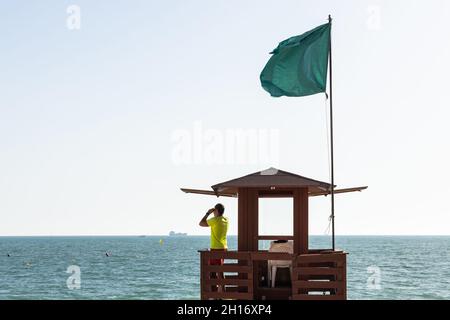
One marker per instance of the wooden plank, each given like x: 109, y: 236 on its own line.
x: 324, y: 251
x: 228, y: 281
x: 286, y: 238
x: 230, y: 288
x: 313, y: 258
x: 231, y: 255
x: 243, y: 289
x: 317, y: 297
x: 209, y: 192
x: 316, y: 271
x: 271, y: 194
x: 229, y: 268
x: 229, y: 295
x: 298, y: 276
x: 278, y: 193
x: 297, y: 284
x: 319, y: 265
x: 339, y: 191
x: 265, y: 255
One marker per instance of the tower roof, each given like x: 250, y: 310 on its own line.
x: 271, y: 178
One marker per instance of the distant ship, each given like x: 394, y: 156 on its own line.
x: 177, y: 234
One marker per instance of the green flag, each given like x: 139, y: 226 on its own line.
x: 299, y: 65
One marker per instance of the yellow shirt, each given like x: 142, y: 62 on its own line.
x: 219, y: 228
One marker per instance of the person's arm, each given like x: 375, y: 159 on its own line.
x: 203, y: 222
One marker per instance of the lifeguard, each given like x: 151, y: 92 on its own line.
x: 219, y: 229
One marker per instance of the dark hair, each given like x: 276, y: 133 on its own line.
x: 220, y: 208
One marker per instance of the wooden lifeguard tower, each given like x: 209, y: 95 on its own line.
x: 316, y: 274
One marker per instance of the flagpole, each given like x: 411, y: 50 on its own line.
x: 331, y: 140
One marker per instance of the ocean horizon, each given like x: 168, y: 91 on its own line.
x: 167, y: 267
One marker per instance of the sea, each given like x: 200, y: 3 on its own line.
x: 167, y: 267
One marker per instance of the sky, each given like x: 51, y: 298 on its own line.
x: 107, y: 108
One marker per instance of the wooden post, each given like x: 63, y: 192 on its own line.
x: 202, y: 281
x: 301, y: 221
x: 242, y: 219
x: 344, y: 277
x: 247, y: 219
x: 204, y: 275
x: 252, y: 233
x: 247, y: 230
x: 252, y: 222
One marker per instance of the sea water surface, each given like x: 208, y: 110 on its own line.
x: 168, y: 267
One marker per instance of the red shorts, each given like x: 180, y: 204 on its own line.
x: 216, y: 262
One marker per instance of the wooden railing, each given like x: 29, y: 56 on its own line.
x: 320, y: 275
x: 232, y: 280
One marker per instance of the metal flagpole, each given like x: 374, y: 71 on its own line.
x: 331, y: 139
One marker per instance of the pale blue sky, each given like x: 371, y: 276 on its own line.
x: 88, y: 116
